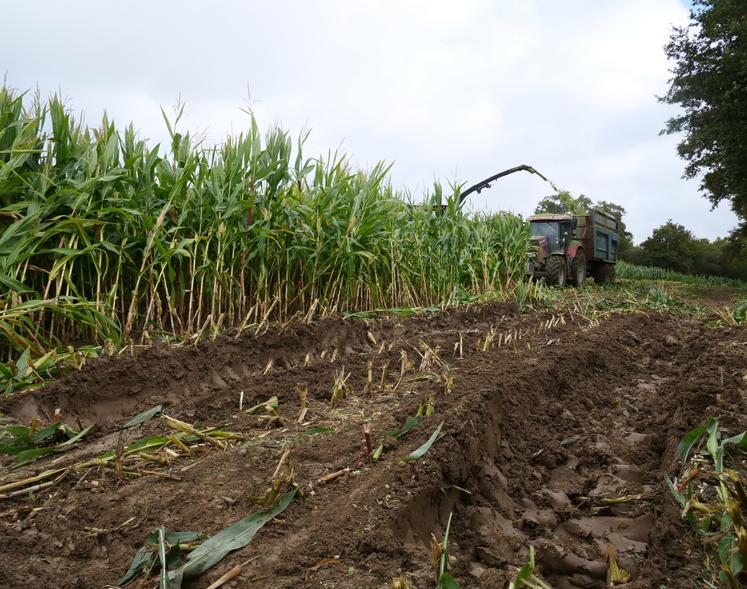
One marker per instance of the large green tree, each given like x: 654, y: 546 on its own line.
x: 670, y: 246
x: 564, y: 203
x: 709, y: 82
x: 675, y: 247
x: 734, y: 253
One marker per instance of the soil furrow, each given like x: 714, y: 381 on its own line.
x: 558, y: 434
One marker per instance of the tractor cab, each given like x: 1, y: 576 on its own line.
x: 552, y: 233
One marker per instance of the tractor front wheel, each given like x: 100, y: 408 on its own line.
x: 578, y: 269
x: 556, y: 270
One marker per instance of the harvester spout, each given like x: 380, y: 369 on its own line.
x: 486, y: 183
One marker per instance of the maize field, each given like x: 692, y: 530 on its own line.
x: 105, y: 240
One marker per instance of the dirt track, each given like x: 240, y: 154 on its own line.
x: 539, y: 432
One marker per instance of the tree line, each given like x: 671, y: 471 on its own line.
x: 708, y: 58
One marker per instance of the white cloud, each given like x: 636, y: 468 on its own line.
x: 443, y: 89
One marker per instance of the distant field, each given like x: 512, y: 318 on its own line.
x: 626, y: 270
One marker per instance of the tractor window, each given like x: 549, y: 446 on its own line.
x: 565, y: 234
x: 549, y: 229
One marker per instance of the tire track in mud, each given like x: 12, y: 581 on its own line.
x: 573, y: 453
x: 582, y: 443
x: 539, y: 434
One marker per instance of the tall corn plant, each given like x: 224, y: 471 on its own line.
x: 103, y: 237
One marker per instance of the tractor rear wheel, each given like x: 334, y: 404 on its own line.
x: 556, y: 271
x: 578, y: 269
x: 604, y: 273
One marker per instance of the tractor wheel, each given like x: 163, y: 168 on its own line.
x: 556, y: 272
x: 578, y: 269
x: 604, y: 273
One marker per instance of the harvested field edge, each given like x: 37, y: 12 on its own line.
x: 540, y: 432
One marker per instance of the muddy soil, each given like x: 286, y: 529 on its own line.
x: 546, y: 417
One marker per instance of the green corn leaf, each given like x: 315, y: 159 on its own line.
x: 164, y: 576
x: 739, y: 440
x: 25, y: 450
x: 44, y: 433
x: 316, y: 430
x: 76, y: 438
x: 148, y: 555
x: 681, y: 499
x: 726, y: 548
x: 143, y: 562
x: 174, y: 538
x: 446, y: 581
x: 143, y: 417
x: 408, y: 426
x: 138, y: 446
x: 443, y: 565
x: 46, y: 362
x: 13, y: 284
x: 5, y: 371
x: 736, y: 564
x: 32, y: 454
x: 419, y: 452
x: 688, y: 441
x: 145, y: 443
x: 525, y: 572
x: 21, y: 434
x: 726, y: 521
x: 22, y: 364
x: 715, y: 449
x: 236, y: 536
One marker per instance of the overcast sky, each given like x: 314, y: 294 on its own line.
x: 445, y: 90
